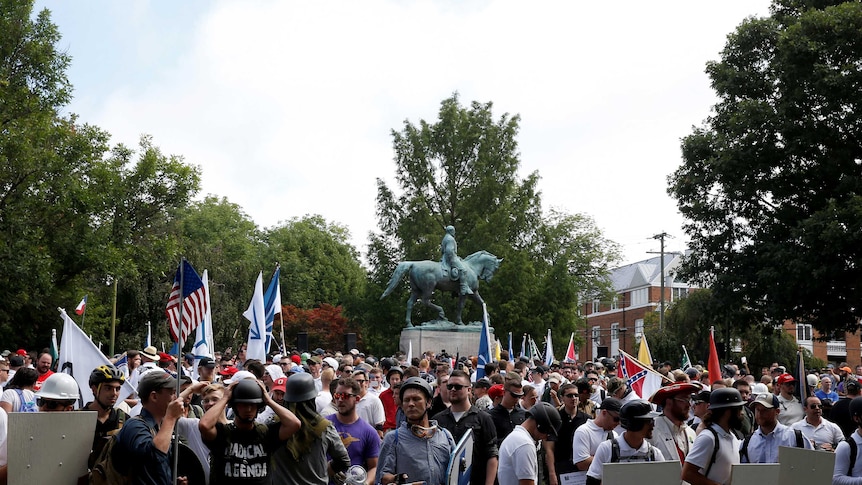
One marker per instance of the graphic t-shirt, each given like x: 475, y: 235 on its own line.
x: 242, y: 456
x: 359, y: 438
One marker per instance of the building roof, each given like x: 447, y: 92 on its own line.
x: 647, y: 273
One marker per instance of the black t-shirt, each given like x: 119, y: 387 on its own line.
x: 840, y: 415
x: 242, y: 456
x: 104, y: 431
x: 563, y: 443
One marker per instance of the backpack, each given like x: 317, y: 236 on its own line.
x: 615, y: 451
x: 106, y: 471
x: 743, y: 452
x: 716, y: 447
x: 853, y: 451
x: 26, y: 406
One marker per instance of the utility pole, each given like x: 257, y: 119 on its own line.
x: 661, y: 238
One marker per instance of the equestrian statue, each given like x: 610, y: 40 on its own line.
x: 452, y: 274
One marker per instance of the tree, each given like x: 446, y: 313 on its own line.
x: 462, y: 170
x: 771, y: 183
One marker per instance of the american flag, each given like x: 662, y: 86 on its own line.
x: 193, y: 300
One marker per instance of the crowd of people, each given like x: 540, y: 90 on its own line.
x: 308, y: 417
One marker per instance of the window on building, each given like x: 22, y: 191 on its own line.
x: 640, y: 297
x: 679, y: 293
x: 803, y: 332
x: 596, y: 305
x: 615, y: 303
x: 639, y: 328
x: 615, y: 331
x: 597, y: 333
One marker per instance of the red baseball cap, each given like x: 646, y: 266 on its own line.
x: 280, y: 384
x: 785, y: 378
x: 165, y: 357
x: 496, y: 391
x: 228, y: 371
x: 21, y: 352
x: 296, y: 359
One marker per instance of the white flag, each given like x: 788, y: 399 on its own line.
x: 204, y: 344
x: 257, y: 330
x: 549, y: 350
x: 79, y: 356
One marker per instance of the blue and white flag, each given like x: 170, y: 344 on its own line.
x: 549, y: 350
x: 272, y: 304
x: 523, y: 346
x: 484, y: 355
x: 204, y: 344
x: 511, y: 351
x: 256, y: 314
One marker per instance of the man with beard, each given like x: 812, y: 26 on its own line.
x: 672, y: 435
x: 725, y: 405
x: 400, y: 454
x: 461, y: 416
x: 559, y: 452
x: 791, y: 408
x: 637, y: 419
x: 762, y: 445
x: 105, y: 382
x: 43, y: 366
x: 359, y: 438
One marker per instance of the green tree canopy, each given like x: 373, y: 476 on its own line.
x: 771, y: 185
x: 462, y: 170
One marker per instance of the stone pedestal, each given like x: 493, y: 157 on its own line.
x: 441, y: 335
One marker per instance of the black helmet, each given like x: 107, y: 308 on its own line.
x: 106, y: 373
x: 547, y: 418
x: 856, y: 406
x: 300, y: 388
x: 394, y: 370
x: 635, y: 414
x: 416, y: 383
x: 247, y: 391
x: 726, y: 397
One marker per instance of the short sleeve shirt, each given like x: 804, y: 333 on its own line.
x: 517, y: 458
x: 241, y: 456
x: 700, y: 454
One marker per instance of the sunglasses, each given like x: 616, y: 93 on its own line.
x: 517, y: 396
x: 47, y: 404
x: 455, y: 387
x: 343, y: 395
x: 570, y: 396
x: 816, y: 406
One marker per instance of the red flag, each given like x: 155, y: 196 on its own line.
x: 79, y: 310
x: 571, y: 355
x: 713, y: 366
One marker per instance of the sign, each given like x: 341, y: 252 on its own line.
x: 665, y: 472
x: 461, y: 461
x: 754, y: 474
x: 799, y: 466
x: 50, y: 447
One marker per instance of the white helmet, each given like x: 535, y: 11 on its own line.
x: 59, y: 386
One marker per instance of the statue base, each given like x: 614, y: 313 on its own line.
x: 439, y: 335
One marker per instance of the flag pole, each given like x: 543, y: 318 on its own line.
x: 113, y: 318
x: 176, y: 443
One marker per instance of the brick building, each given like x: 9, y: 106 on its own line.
x: 618, y: 324
x: 849, y: 349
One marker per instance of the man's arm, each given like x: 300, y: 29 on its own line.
x: 691, y: 474
x: 289, y: 422
x: 549, y: 461
x: 162, y: 440
x: 207, y: 425
x: 371, y: 469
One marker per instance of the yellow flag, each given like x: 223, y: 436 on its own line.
x: 643, y: 353
x: 497, y: 348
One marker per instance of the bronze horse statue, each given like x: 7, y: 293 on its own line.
x: 426, y: 276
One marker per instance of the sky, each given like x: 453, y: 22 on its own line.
x: 288, y: 107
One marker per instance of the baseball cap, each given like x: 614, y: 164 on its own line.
x: 228, y: 371
x: 238, y: 376
x: 314, y: 360
x: 702, y: 396
x: 280, y: 384
x: 153, y: 381
x: 845, y: 368
x: 207, y: 362
x: 16, y: 361
x: 331, y: 362
x: 496, y: 391
x: 483, y: 382
x: 785, y: 379
x: 21, y: 352
x: 768, y: 400
x: 611, y: 404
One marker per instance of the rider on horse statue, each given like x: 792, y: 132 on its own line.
x: 451, y: 262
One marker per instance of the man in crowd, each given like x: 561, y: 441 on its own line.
x: 508, y: 413
x: 636, y: 418
x: 825, y: 391
x: 823, y: 434
x: 105, y: 382
x: 791, y: 408
x: 846, y: 471
x: 840, y: 413
x: 247, y: 398
x: 559, y: 452
x: 206, y: 369
x: 461, y: 416
x: 585, y: 404
x: 671, y: 434
x: 387, y: 397
x: 518, y: 459
x: 700, y: 406
x: 588, y: 437
x: 359, y: 438
x: 369, y: 407
x: 43, y: 366
x: 762, y: 445
x: 146, y: 442
x: 725, y: 405
x: 398, y: 454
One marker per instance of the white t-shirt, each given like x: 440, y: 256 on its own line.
x: 4, y: 436
x: 791, y: 411
x: 826, y: 432
x: 370, y: 408
x: 11, y: 396
x: 627, y: 454
x: 700, y: 454
x: 587, y: 439
x: 188, y: 429
x: 842, y: 462
x: 323, y: 399
x: 517, y: 458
